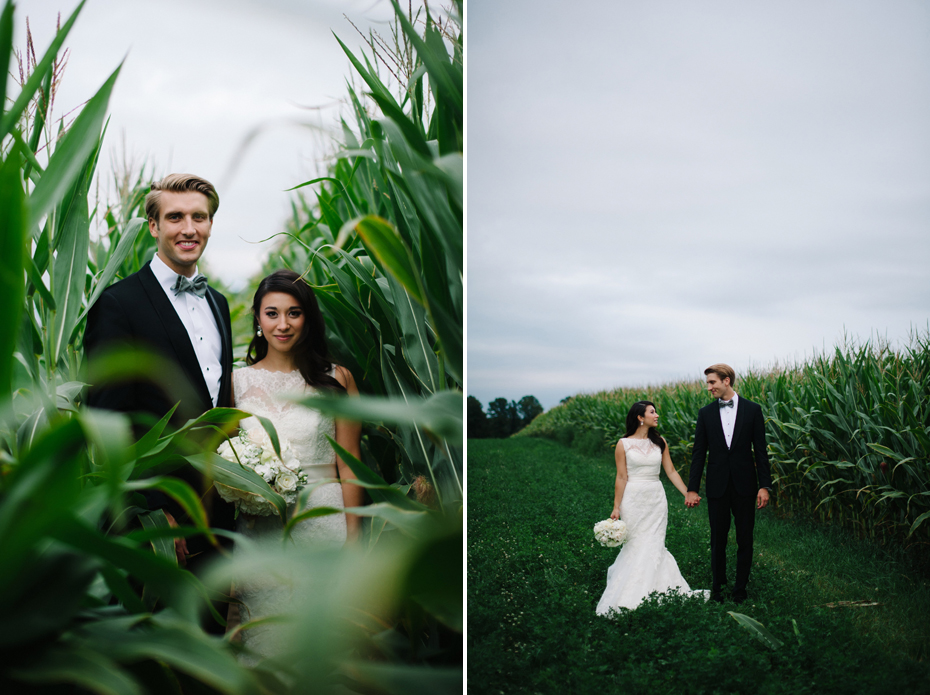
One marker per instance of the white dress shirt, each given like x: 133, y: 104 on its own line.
x: 728, y: 419
x: 198, y: 319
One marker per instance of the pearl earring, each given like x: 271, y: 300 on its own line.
x: 259, y: 332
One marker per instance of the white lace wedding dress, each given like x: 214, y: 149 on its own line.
x: 643, y: 565
x: 261, y: 392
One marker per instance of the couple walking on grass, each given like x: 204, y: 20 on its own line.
x: 168, y: 308
x: 729, y: 440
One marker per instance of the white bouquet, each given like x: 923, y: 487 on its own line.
x: 253, y: 449
x: 610, y: 532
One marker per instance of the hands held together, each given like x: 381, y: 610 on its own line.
x: 692, y: 499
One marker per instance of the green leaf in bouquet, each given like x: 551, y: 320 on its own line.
x: 268, y: 426
x: 238, y: 476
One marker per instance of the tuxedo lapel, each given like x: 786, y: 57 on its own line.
x: 175, y: 332
x: 741, y: 416
x: 221, y: 325
x: 715, y: 427
x: 223, y: 397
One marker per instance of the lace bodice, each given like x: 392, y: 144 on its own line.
x: 265, y: 393
x: 643, y: 459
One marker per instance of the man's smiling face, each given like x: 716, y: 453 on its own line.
x: 182, y: 229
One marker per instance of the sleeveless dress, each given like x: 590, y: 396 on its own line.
x: 261, y: 392
x: 643, y: 565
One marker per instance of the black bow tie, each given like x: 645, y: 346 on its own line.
x: 726, y: 404
x: 197, y: 286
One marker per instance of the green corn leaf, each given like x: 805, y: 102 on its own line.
x: 70, y: 157
x: 35, y: 278
x: 116, y: 259
x: 181, y: 646
x: 756, y: 629
x: 382, y: 240
x: 35, y: 80
x: 442, y: 72
x: 163, y: 547
x: 80, y: 666
x: 182, y: 493
x: 121, y: 589
x: 411, y: 522
x: 13, y: 226
x: 917, y: 522
x: 382, y: 492
x: 440, y: 414
x: 370, y: 78
x: 6, y: 51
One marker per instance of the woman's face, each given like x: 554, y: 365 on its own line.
x: 651, y: 417
x: 281, y: 319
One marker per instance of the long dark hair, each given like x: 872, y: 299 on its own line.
x: 310, y: 354
x: 637, y: 410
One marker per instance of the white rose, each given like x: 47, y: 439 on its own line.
x: 287, y: 481
x: 265, y: 471
x: 225, y: 450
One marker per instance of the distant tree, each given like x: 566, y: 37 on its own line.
x: 566, y: 399
x: 503, y: 419
x: 477, y: 420
x: 529, y: 407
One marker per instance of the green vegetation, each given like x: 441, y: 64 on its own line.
x: 535, y: 574
x: 91, y: 601
x: 848, y: 434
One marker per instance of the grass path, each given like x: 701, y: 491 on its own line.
x: 535, y: 575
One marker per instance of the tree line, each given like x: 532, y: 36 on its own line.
x: 503, y: 418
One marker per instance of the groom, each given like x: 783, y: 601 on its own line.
x: 732, y: 431
x: 169, y: 309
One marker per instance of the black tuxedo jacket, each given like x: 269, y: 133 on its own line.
x: 136, y: 311
x: 746, y: 461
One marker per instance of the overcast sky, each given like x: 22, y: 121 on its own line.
x: 199, y: 76
x: 657, y: 186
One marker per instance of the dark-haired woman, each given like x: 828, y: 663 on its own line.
x: 643, y: 565
x: 287, y: 357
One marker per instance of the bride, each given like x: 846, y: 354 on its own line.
x: 287, y: 357
x: 643, y: 565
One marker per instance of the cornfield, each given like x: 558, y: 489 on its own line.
x: 90, y: 603
x: 848, y: 433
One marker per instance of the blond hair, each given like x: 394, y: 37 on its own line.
x: 179, y: 183
x: 724, y: 371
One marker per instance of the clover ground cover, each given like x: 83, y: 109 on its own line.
x: 535, y: 574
